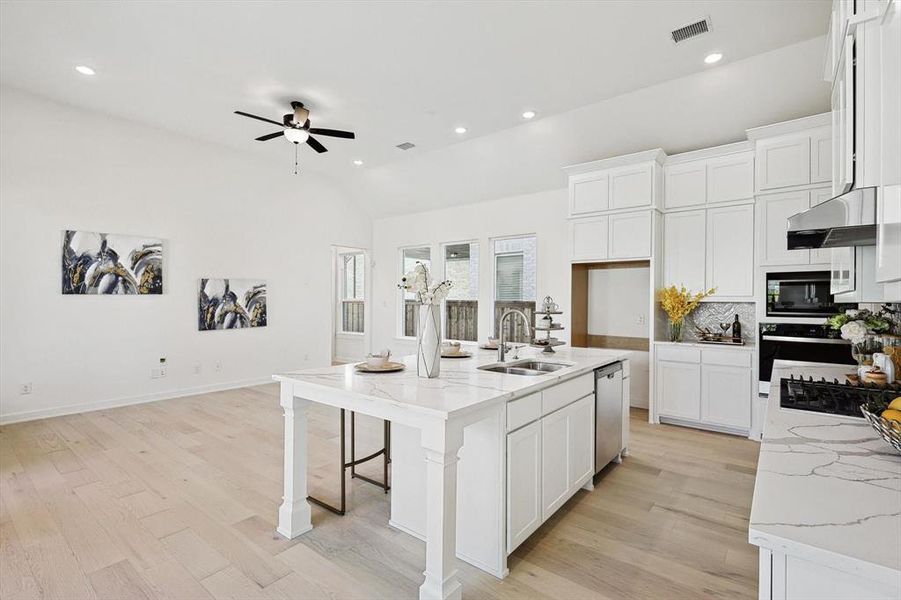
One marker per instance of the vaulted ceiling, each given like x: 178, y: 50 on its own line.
x: 604, y: 78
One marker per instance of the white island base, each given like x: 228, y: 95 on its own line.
x: 463, y: 421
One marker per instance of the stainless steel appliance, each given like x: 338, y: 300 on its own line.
x: 793, y: 341
x: 801, y: 294
x: 846, y: 220
x: 608, y: 414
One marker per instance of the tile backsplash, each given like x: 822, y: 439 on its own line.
x: 711, y: 314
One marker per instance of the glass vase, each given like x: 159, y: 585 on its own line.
x: 428, y: 350
x: 675, y: 331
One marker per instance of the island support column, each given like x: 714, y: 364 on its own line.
x: 294, y: 512
x: 442, y: 442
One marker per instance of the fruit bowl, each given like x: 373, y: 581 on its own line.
x: 889, y: 430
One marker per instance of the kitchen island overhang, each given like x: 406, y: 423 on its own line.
x: 463, y: 399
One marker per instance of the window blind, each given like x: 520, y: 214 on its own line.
x: 508, y: 269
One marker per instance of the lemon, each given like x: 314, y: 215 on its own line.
x: 895, y: 404
x: 891, y: 415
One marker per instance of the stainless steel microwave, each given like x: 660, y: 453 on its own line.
x: 801, y: 294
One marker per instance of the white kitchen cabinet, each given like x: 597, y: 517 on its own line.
x: 685, y: 185
x: 580, y: 442
x: 554, y: 467
x: 524, y: 506
x: 684, y: 248
x: 630, y: 234
x: 632, y: 186
x: 588, y: 238
x: 783, y: 161
x: 730, y: 177
x: 842, y: 105
x: 589, y: 193
x: 774, y: 212
x: 888, y: 234
x: 730, y: 250
x: 724, y: 399
x: 821, y: 155
x: 678, y: 387
x: 820, y: 256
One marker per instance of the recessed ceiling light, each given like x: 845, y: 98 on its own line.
x: 85, y: 70
x: 358, y: 162
x: 460, y: 130
x: 529, y: 114
x: 713, y: 57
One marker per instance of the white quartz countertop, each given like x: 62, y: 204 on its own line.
x: 828, y: 488
x: 461, y: 386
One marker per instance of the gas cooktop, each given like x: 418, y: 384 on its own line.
x: 832, y: 397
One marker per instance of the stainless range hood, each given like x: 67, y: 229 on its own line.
x: 846, y: 220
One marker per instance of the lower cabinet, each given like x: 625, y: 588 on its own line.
x: 706, y: 387
x: 548, y: 460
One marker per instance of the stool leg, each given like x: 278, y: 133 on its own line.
x: 353, y: 445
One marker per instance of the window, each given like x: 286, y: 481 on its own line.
x: 515, y: 286
x: 410, y: 316
x: 461, y: 266
x: 352, y: 267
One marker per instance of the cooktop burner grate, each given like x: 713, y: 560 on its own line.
x: 832, y: 397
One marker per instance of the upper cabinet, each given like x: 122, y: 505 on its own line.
x: 794, y: 153
x: 783, y: 162
x: 623, y: 182
x: 617, y: 236
x: 710, y: 176
x: 730, y: 250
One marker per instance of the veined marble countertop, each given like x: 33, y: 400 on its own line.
x: 828, y: 488
x: 460, y: 386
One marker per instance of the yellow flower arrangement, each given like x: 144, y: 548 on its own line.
x: 679, y: 302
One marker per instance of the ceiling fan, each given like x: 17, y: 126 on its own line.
x: 296, y: 128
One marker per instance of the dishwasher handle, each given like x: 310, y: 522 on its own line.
x: 608, y: 370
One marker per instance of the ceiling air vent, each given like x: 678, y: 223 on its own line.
x: 406, y: 145
x: 691, y: 30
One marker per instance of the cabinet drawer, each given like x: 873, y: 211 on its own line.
x: 566, y: 393
x: 523, y: 410
x: 728, y: 358
x: 678, y: 354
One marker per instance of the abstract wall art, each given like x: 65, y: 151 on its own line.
x: 108, y: 263
x: 231, y: 304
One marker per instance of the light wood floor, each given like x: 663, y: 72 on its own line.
x: 177, y: 499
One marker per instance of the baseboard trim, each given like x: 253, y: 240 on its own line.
x: 74, y: 409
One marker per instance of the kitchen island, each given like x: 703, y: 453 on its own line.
x: 826, y: 513
x: 464, y: 408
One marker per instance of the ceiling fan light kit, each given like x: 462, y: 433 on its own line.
x: 296, y: 128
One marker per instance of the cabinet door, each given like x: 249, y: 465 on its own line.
x: 821, y: 155
x: 678, y: 390
x: 783, y: 162
x: 730, y: 177
x: 730, y: 250
x: 523, y: 484
x: 843, y: 274
x: 632, y: 186
x: 888, y: 198
x: 580, y: 439
x: 685, y: 185
x: 589, y: 194
x: 821, y: 256
x: 554, y: 473
x: 726, y: 396
x: 630, y: 235
x: 774, y: 213
x: 588, y: 238
x: 683, y: 248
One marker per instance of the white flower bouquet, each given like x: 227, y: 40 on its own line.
x: 419, y: 281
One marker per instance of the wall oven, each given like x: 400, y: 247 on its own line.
x: 793, y: 341
x: 801, y: 294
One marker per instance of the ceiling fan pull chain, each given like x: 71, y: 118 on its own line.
x: 295, y: 157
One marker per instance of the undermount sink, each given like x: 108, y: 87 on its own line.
x: 531, y: 367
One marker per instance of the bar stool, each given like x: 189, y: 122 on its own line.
x: 352, y: 465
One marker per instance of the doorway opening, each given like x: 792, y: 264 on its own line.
x: 350, y: 280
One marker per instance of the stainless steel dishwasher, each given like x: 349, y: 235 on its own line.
x: 608, y: 414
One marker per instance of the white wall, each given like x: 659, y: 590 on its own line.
x: 221, y: 213
x: 542, y: 214
x: 618, y: 302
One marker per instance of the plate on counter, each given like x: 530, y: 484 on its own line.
x: 388, y: 367
x: 462, y: 354
x: 485, y: 346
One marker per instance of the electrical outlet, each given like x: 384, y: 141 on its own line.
x: 162, y: 371
x: 25, y: 388
x: 155, y: 373
x: 197, y: 368
x: 306, y: 357
x: 218, y: 366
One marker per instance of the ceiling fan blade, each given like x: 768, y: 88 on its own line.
x: 315, y: 145
x: 264, y: 119
x: 270, y: 136
x: 333, y: 133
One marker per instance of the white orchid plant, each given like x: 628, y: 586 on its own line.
x: 419, y: 281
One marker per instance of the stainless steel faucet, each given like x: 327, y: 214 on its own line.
x: 502, y: 343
